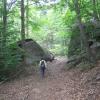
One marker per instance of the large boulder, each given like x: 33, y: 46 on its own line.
x: 33, y: 52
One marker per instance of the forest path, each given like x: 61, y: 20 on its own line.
x: 58, y: 84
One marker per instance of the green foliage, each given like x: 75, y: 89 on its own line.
x: 52, y: 30
x: 10, y: 59
x: 53, y: 27
x: 70, y: 18
x: 59, y: 50
x: 10, y: 56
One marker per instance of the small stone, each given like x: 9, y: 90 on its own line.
x: 98, y: 77
x: 36, y: 90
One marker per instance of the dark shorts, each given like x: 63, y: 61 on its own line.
x: 42, y: 69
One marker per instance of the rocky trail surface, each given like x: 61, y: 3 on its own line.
x: 58, y: 84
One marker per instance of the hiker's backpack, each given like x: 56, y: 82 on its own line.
x: 42, y: 64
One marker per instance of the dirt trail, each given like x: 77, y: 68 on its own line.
x: 58, y: 84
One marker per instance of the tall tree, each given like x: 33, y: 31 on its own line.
x: 82, y: 32
x: 27, y: 19
x: 22, y: 20
x: 95, y: 14
x: 4, y: 20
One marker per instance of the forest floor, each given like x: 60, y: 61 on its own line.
x: 58, y: 84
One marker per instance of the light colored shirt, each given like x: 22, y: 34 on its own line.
x: 44, y: 63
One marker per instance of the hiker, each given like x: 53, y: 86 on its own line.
x: 42, y: 66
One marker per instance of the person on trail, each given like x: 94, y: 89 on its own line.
x: 42, y: 66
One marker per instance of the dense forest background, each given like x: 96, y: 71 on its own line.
x: 66, y: 27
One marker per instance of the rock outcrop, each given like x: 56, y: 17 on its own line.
x: 33, y: 52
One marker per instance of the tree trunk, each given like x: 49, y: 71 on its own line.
x: 22, y: 20
x: 4, y: 21
x: 98, y: 11
x: 95, y: 14
x: 82, y: 32
x: 27, y: 18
